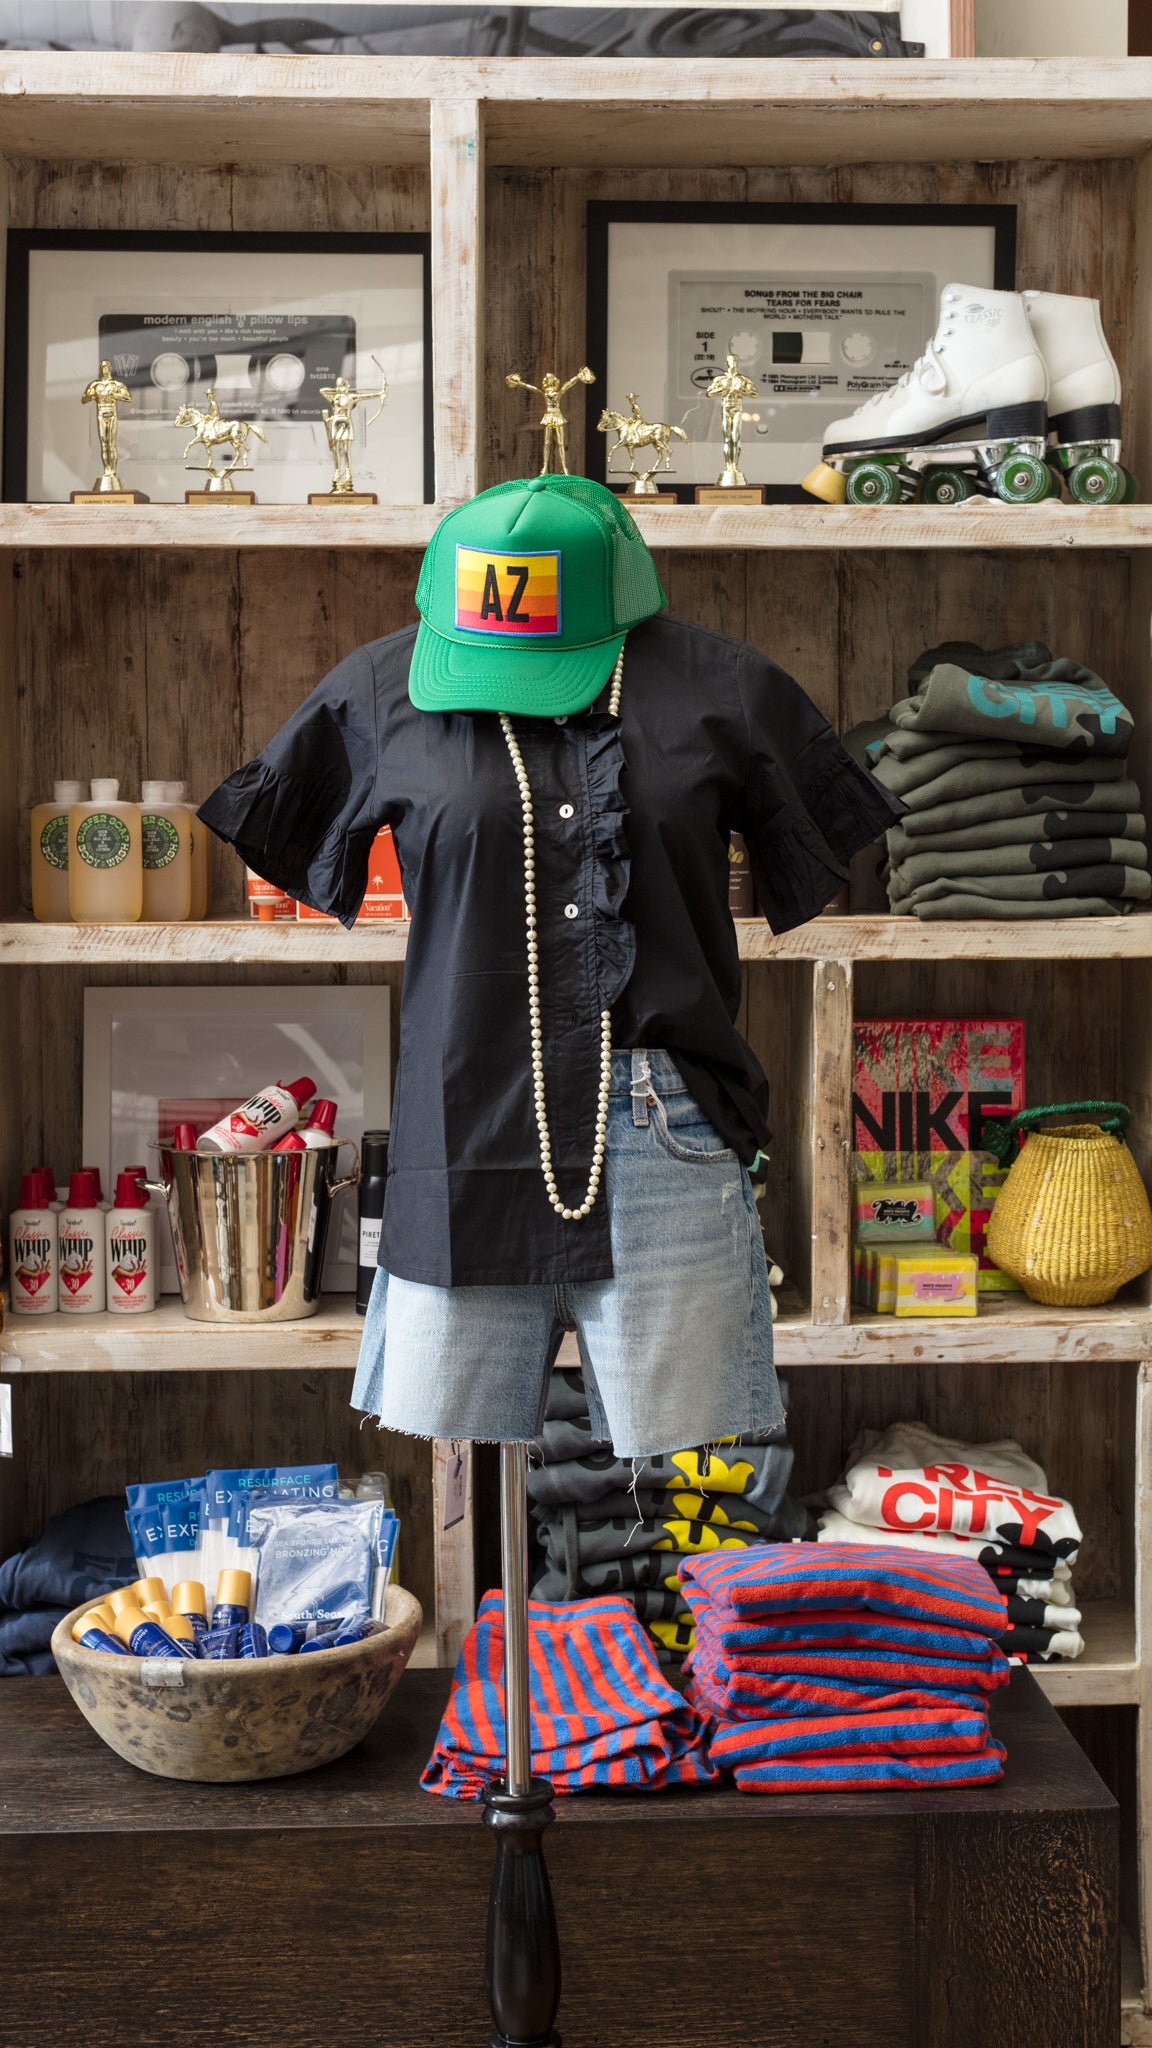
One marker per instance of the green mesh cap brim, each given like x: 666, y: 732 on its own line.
x: 446, y: 676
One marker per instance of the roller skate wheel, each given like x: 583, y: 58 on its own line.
x: 827, y: 483
x: 874, y: 483
x: 1022, y: 480
x: 1097, y: 482
x: 946, y: 487
x: 1131, y: 488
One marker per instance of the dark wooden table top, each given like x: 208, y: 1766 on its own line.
x: 57, y: 1776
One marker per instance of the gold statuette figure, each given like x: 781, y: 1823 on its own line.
x: 733, y: 390
x: 551, y: 390
x: 633, y: 431
x: 343, y: 398
x: 106, y: 392
x: 210, y: 431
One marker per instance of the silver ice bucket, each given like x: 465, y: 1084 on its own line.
x: 250, y: 1229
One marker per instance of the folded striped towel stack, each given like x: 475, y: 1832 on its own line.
x: 603, y: 1718
x: 829, y: 1668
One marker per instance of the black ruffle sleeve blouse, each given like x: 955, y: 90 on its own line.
x: 632, y: 824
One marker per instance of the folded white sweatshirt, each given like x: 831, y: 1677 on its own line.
x: 909, y: 1480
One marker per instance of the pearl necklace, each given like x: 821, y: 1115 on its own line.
x: 529, y: 829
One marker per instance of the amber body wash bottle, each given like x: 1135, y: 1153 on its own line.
x: 50, y: 853
x: 105, y: 866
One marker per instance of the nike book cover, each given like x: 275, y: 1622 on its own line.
x: 922, y: 1091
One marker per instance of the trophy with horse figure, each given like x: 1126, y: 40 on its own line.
x: 634, y: 432
x: 212, y: 432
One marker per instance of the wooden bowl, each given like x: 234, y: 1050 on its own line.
x: 220, y: 1723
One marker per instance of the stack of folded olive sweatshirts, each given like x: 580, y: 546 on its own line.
x: 1013, y: 767
x: 605, y: 1524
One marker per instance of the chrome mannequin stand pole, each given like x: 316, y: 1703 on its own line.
x: 522, y: 1966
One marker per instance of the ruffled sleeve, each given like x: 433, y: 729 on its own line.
x: 809, y: 805
x: 304, y: 813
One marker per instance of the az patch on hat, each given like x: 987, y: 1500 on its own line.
x: 499, y: 592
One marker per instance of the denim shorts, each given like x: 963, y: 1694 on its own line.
x: 676, y: 1347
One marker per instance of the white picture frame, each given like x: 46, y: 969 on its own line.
x: 266, y: 321
x: 147, y: 1049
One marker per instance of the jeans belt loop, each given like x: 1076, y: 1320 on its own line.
x: 641, y: 1084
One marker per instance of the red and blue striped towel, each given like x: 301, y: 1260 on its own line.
x: 927, y: 1731
x: 875, y: 1774
x: 602, y: 1716
x: 746, y: 1641
x: 798, y: 1578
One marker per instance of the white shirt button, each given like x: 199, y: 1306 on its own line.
x: 561, y: 721
x: 567, y: 810
x: 571, y: 910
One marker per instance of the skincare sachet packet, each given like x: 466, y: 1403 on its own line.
x: 315, y: 1560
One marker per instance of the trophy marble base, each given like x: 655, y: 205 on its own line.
x: 634, y: 498
x: 731, y: 494
x: 343, y: 498
x: 219, y: 497
x: 110, y: 498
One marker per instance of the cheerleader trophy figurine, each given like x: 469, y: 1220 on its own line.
x: 343, y: 398
x: 551, y: 390
x: 107, y: 393
x: 733, y: 389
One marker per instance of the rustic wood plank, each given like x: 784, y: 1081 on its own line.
x: 454, y: 1553
x: 962, y: 28
x: 458, y: 294
x: 831, y: 1140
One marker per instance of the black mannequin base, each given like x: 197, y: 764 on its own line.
x: 522, y: 1966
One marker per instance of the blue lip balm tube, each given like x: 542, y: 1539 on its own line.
x: 146, y: 1638
x: 90, y: 1632
x: 188, y: 1599
x: 233, y: 1600
x: 220, y: 1643
x: 325, y: 1642
x: 253, y: 1640
x: 284, y: 1639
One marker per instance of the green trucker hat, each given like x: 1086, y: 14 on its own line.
x: 525, y: 595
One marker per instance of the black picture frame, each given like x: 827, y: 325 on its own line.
x: 23, y: 242
x: 602, y: 214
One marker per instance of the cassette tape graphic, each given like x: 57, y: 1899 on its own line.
x: 814, y: 347
x: 262, y: 366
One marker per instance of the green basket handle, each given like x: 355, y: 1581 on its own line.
x: 1003, y: 1139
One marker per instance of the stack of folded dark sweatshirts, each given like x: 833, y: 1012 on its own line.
x: 1013, y: 767
x: 833, y: 1669
x: 605, y: 1524
x: 914, y: 1490
x: 82, y: 1553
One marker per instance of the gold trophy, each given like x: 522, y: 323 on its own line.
x: 210, y: 431
x: 633, y: 431
x: 343, y: 399
x: 551, y: 390
x: 732, y: 487
x: 106, y: 392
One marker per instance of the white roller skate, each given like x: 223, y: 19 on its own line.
x: 1083, y: 398
x: 982, y: 370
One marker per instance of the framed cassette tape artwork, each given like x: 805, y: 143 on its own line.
x: 155, y: 359
x: 789, y: 315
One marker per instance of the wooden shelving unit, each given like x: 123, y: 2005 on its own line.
x: 172, y: 640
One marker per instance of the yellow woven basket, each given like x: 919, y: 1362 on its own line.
x: 1072, y: 1221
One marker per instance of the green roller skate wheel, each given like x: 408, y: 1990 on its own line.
x: 1022, y: 480
x: 946, y: 487
x: 1097, y: 482
x: 1055, y: 482
x: 874, y: 483
x: 1131, y: 488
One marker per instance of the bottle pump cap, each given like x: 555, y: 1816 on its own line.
x: 234, y: 1589
x: 291, y: 1142
x: 128, y: 1620
x: 32, y: 1190
x: 95, y: 1172
x: 301, y: 1091
x: 153, y: 792
x: 67, y: 792
x: 188, y: 1598
x: 149, y: 1589
x: 129, y: 1193
x: 105, y: 789
x: 323, y: 1117
x: 84, y: 1189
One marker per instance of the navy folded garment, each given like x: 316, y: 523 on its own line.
x: 82, y: 1553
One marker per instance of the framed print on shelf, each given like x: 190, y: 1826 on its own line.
x: 156, y: 1057
x: 267, y: 322
x: 822, y: 304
